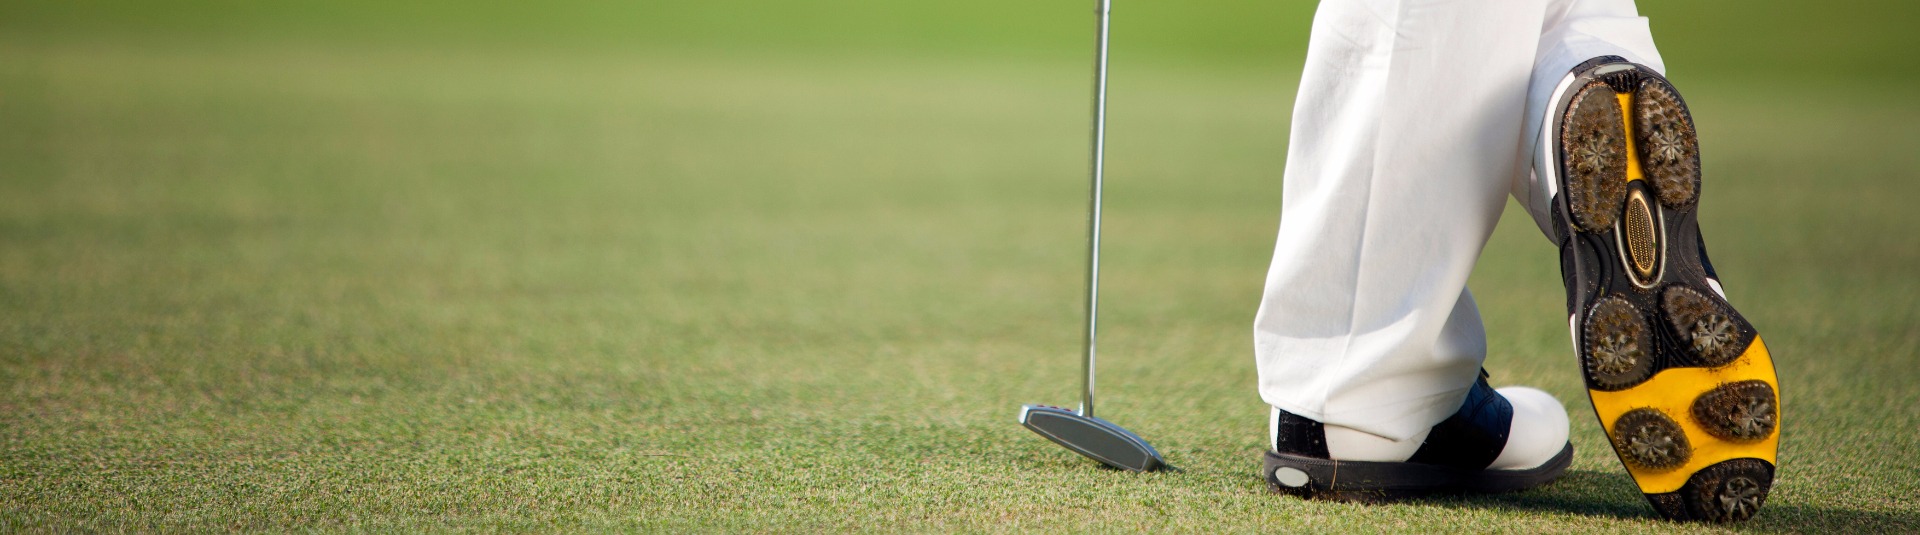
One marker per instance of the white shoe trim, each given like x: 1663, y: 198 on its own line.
x: 1349, y: 444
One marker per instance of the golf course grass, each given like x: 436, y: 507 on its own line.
x: 727, y: 266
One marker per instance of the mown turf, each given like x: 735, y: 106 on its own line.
x: 262, y: 283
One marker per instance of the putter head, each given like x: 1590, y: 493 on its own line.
x: 1094, y: 438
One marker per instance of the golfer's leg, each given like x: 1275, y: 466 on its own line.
x: 1574, y: 32
x: 1404, y: 145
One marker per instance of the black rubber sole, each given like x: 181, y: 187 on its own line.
x: 1679, y: 379
x: 1374, y: 482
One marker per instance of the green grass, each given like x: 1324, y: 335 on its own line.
x: 254, y: 277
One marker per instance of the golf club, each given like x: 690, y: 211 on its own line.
x: 1080, y: 431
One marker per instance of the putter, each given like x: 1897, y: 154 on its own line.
x: 1080, y: 431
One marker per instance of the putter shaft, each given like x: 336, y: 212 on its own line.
x: 1093, y: 212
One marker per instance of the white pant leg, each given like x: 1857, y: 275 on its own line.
x: 1407, y: 135
x: 1411, y: 119
x: 1575, y: 32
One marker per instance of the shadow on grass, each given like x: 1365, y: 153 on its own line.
x: 1583, y: 492
x: 1612, y: 495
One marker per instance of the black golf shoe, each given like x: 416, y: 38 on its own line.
x: 1457, y: 455
x: 1680, y: 381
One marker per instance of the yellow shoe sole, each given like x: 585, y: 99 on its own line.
x: 1682, y: 383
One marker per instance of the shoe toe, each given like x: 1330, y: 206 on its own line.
x: 1539, y: 429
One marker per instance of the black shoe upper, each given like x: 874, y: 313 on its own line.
x: 1471, y: 438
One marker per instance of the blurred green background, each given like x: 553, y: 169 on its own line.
x: 1861, y: 41
x: 792, y: 266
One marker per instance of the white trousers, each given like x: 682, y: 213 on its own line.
x: 1415, y: 119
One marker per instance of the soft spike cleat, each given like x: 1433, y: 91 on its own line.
x: 1664, y: 132
x: 1706, y: 329
x: 1738, y: 411
x: 1649, y: 439
x: 1730, y: 491
x: 1595, y: 157
x: 1681, y: 382
x: 1618, y: 345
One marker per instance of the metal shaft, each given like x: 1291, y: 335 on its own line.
x: 1093, y: 213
